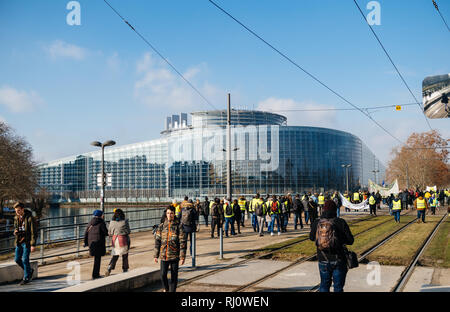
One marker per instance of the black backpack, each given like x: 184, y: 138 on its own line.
x: 215, y: 210
x: 229, y: 210
x: 259, y: 209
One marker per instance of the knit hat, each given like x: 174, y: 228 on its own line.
x: 329, y: 205
x: 98, y: 213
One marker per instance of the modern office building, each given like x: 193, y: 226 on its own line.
x: 268, y: 157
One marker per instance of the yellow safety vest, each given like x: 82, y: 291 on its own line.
x: 355, y: 196
x: 242, y: 204
x: 225, y: 211
x: 177, y: 210
x: 371, y: 200
x: 434, y: 202
x: 253, y: 203
x: 321, y: 200
x: 397, y: 205
x: 420, y: 204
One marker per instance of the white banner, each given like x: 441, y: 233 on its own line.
x: 360, y: 206
x: 431, y: 188
x: 384, y: 191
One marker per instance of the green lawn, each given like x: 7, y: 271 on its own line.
x: 437, y: 253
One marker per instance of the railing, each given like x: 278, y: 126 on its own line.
x: 74, y: 228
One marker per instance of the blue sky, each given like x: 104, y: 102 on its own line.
x: 63, y: 86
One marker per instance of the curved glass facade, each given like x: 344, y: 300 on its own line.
x: 268, y: 157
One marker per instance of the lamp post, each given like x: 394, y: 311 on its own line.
x: 103, y: 145
x: 346, y: 166
x: 375, y: 174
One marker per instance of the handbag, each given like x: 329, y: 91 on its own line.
x: 351, y: 257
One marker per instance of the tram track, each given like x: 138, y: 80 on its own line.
x: 406, y: 274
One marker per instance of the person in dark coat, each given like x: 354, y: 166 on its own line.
x: 332, y: 261
x: 404, y: 197
x: 298, y: 209
x: 95, y: 238
x: 312, y: 210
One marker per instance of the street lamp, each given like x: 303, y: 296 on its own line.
x: 375, y: 174
x: 103, y: 145
x: 346, y: 166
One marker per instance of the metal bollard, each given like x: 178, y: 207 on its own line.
x: 193, y: 249
x: 221, y: 243
x: 42, y: 246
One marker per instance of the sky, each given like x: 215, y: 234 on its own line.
x: 63, y: 86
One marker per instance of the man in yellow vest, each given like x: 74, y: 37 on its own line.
x: 177, y: 208
x: 229, y: 216
x: 254, y: 204
x: 421, y: 206
x: 372, y: 204
x: 396, y: 208
x: 244, y: 207
x: 356, y: 198
x: 433, y: 201
x: 321, y: 202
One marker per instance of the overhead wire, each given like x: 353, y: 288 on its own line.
x: 392, y: 62
x: 162, y: 56
x: 443, y: 19
x: 338, y: 109
x: 304, y: 70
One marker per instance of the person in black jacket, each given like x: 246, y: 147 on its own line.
x: 95, y: 238
x: 332, y: 260
x: 205, y: 210
x: 298, y: 209
x: 404, y: 197
x: 312, y: 209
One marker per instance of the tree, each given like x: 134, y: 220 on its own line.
x: 18, y: 173
x: 421, y: 162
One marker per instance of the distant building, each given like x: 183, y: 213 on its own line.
x: 271, y: 158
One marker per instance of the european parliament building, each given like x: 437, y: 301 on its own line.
x: 268, y: 157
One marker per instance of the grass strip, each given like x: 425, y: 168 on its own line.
x: 401, y: 249
x: 437, y: 253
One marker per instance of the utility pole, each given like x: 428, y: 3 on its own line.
x: 229, y: 149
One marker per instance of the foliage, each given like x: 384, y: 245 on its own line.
x: 421, y: 162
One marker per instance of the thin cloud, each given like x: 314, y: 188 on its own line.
x: 17, y: 101
x: 61, y: 49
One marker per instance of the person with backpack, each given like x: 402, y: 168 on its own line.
x: 205, y: 210
x: 237, y: 214
x: 260, y: 212
x: 274, y: 213
x: 188, y: 218
x: 229, y: 217
x: 305, y: 201
x: 170, y: 248
x: 256, y: 202
x: 95, y: 238
x: 331, y: 234
x: 297, y: 209
x: 216, y: 217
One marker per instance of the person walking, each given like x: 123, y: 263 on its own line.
x: 119, y: 231
x: 95, y: 239
x: 170, y: 248
x: 238, y: 214
x: 378, y: 200
x: 285, y: 209
x: 205, y: 210
x: 404, y: 198
x: 337, y: 200
x: 331, y: 234
x: 243, y: 204
x: 256, y: 202
x: 297, y: 209
x: 188, y: 218
x: 396, y: 208
x: 312, y: 209
x: 216, y: 217
x: 229, y: 217
x: 305, y: 204
x: 421, y: 205
x: 274, y: 213
x: 433, y: 203
x: 260, y: 212
x: 321, y: 202
x: 25, y: 237
x: 372, y: 204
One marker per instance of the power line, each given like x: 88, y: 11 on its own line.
x: 302, y: 69
x: 338, y: 109
x: 443, y: 19
x: 392, y: 62
x: 165, y: 59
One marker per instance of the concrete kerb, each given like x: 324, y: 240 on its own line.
x: 11, y: 272
x: 133, y: 279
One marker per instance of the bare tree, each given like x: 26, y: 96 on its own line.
x: 420, y: 162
